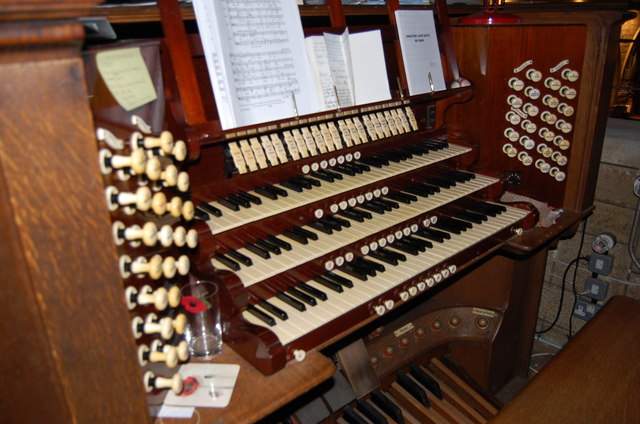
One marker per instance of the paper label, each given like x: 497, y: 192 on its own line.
x: 127, y: 77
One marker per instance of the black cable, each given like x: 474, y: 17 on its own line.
x: 560, y: 302
x: 573, y: 286
x: 564, y: 278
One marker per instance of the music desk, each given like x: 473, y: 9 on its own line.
x: 594, y: 379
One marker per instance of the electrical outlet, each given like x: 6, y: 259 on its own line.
x: 585, y: 310
x: 596, y: 289
x: 600, y: 264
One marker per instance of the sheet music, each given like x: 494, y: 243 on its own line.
x: 420, y: 52
x: 339, y: 56
x: 319, y: 59
x: 256, y: 57
x: 371, y: 83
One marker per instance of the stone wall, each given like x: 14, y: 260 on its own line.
x: 615, y: 207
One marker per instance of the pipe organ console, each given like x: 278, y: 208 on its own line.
x: 382, y: 235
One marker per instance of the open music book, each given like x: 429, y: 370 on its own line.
x: 349, y: 66
x: 260, y: 71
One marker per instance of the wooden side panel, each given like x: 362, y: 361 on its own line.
x: 58, y: 258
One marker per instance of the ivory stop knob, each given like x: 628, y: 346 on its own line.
x: 141, y: 198
x: 152, y: 382
x: 158, y: 298
x: 188, y: 210
x: 183, y: 182
x: 168, y: 356
x: 147, y: 233
x: 159, y: 203
x: 174, y: 296
x: 137, y: 161
x: 169, y: 267
x: 166, y: 235
x: 183, y: 264
x: 154, y: 168
x: 164, y: 326
x: 170, y: 176
x: 174, y: 207
x: 153, y: 266
x: 164, y: 142
x: 179, y: 151
x: 180, y: 323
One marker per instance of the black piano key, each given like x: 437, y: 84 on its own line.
x: 249, y: 197
x: 279, y: 242
x: 442, y: 182
x: 412, y: 388
x: 371, y: 207
x: 267, y: 193
x: 295, y: 236
x: 433, y: 234
x: 406, y: 241
x: 295, y: 186
x: 389, y: 203
x: 318, y: 225
x: 227, y: 261
x: 334, y: 175
x: 395, y: 255
x: 328, y: 284
x: 376, y: 163
x: 344, y: 170
x: 352, y: 417
x: 228, y: 204
x: 265, y: 245
x: 200, y: 214
x: 349, y: 213
x: 425, y: 243
x: 460, y: 176
x: 339, y: 221
x: 267, y: 319
x: 418, y: 191
x: 403, y: 247
x: 338, y: 279
x: 352, y: 271
x: 312, y: 181
x: 353, y: 167
x: 389, y: 407
x: 368, y: 410
x: 381, y: 160
x: 443, y: 225
x: 273, y: 309
x: 239, y: 200
x: 294, y: 292
x: 278, y: 190
x: 382, y: 257
x: 210, y: 209
x: 361, y: 268
x: 401, y: 197
x: 240, y: 257
x: 301, y: 182
x: 257, y: 250
x: 318, y: 294
x: 322, y: 176
x: 430, y: 188
x: 377, y: 202
x: 363, y: 166
x: 492, y: 206
x: 330, y: 223
x: 306, y: 233
x: 471, y: 216
x: 456, y: 223
x: 389, y: 156
x: 371, y: 264
x: 426, y: 380
x: 296, y: 304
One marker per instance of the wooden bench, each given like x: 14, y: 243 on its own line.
x: 594, y: 379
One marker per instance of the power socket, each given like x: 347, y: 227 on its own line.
x: 600, y: 264
x: 585, y: 310
x: 596, y: 289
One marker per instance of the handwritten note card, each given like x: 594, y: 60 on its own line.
x: 127, y: 77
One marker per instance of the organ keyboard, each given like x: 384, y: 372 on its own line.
x: 361, y: 232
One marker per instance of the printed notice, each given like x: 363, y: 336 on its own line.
x: 420, y: 52
x: 127, y: 77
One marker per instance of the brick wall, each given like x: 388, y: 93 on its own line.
x: 615, y: 209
